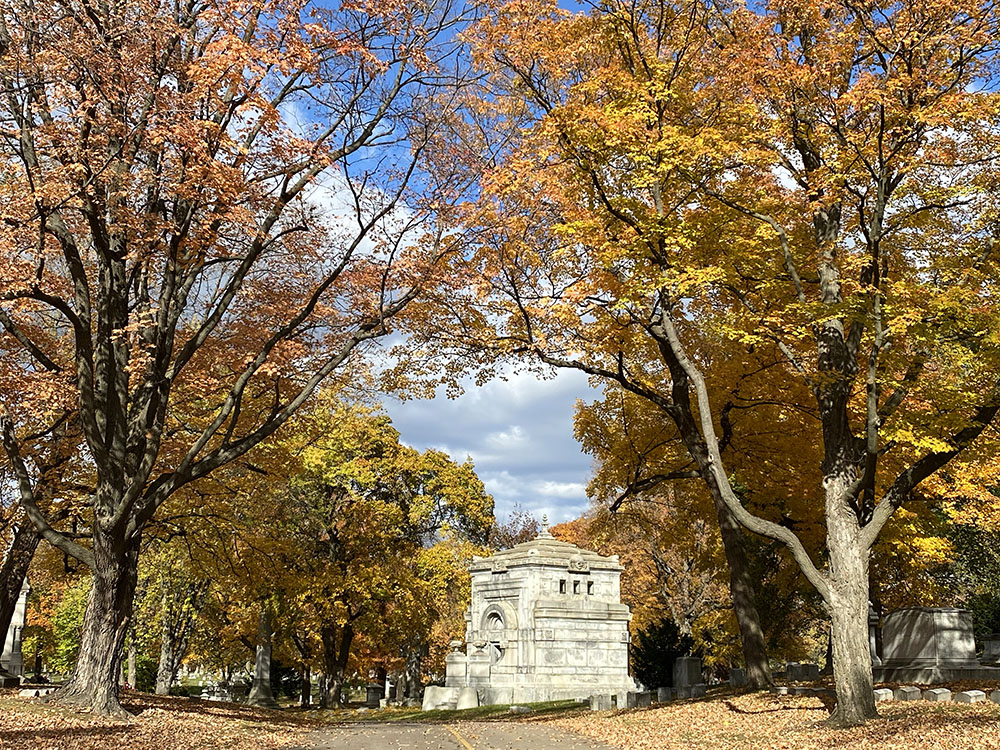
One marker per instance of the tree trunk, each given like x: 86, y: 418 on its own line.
x: 335, y: 655
x: 165, y: 667
x: 14, y: 570
x: 131, y: 661
x: 260, y: 693
x: 741, y: 587
x: 848, y: 603
x: 741, y: 590
x: 305, y: 693
x: 94, y: 682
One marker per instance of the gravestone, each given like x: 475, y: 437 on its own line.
x: 907, y: 693
x: 687, y: 671
x: 467, y: 698
x: 969, y: 696
x: 737, y: 677
x: 600, y: 703
x: 804, y: 672
x: 220, y: 691
x: 663, y: 694
x: 373, y: 694
x: 940, y: 695
x: 883, y: 694
x: 11, y: 659
x: 930, y: 645
x: 643, y: 699
x: 991, y: 649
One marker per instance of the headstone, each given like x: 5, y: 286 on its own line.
x: 801, y: 690
x: 373, y: 694
x: 519, y: 710
x: 995, y: 696
x: 907, y: 693
x: 883, y: 694
x: 687, y: 671
x: 991, y: 649
x: 780, y: 690
x: 737, y: 677
x: 600, y: 703
x: 804, y: 672
x: 643, y: 699
x: 809, y: 672
x: 937, y: 695
x: 663, y: 694
x: 436, y: 697
x: 928, y: 637
x: 631, y: 700
x: 621, y: 700
x: 969, y: 696
x: 698, y: 691
x: 467, y: 698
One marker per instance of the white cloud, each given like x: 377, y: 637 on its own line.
x: 519, y: 434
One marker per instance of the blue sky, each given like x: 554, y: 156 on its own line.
x: 519, y: 433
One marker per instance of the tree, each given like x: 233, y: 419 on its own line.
x: 546, y: 76
x: 805, y: 190
x: 363, y: 517
x: 163, y: 173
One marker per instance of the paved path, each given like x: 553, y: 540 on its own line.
x: 464, y: 736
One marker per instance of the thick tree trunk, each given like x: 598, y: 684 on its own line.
x: 741, y: 590
x: 260, y: 692
x: 741, y: 587
x: 848, y: 603
x: 94, y: 682
x: 852, y: 663
x: 336, y: 651
x: 14, y: 570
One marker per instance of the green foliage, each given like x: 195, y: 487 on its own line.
x: 975, y: 575
x: 66, y: 624
x: 654, y: 651
x: 145, y: 672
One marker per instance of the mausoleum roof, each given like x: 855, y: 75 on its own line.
x: 546, y: 550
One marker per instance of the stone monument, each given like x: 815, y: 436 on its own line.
x: 11, y: 659
x: 930, y: 645
x: 545, y: 622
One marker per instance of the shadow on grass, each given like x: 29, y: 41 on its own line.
x: 777, y: 709
x: 27, y: 737
x: 138, y: 703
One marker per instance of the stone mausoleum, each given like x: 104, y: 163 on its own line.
x: 546, y: 622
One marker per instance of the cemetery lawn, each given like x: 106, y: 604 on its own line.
x: 761, y: 720
x: 160, y: 723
